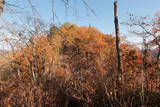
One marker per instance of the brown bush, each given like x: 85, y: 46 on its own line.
x: 74, y: 67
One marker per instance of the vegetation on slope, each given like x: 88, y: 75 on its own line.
x: 76, y: 67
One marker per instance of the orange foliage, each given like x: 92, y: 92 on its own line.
x: 77, y: 64
x: 72, y: 49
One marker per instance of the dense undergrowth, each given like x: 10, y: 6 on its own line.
x: 76, y: 67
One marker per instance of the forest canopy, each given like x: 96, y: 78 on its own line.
x: 69, y: 65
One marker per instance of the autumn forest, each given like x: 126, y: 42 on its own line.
x: 69, y: 65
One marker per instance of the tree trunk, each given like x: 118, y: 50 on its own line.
x: 144, y: 71
x: 2, y: 2
x: 117, y: 32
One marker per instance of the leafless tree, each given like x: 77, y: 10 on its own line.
x: 119, y: 61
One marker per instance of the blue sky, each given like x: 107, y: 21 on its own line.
x: 103, y: 9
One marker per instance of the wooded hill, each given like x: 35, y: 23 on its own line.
x: 76, y: 66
